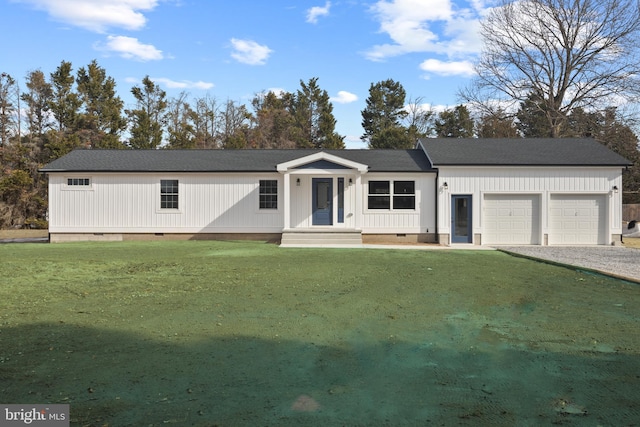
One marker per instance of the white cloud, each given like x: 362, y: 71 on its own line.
x: 317, y: 11
x: 277, y: 91
x: 249, y: 52
x: 183, y: 84
x: 426, y: 26
x: 130, y: 48
x: 344, y: 97
x: 173, y: 84
x: 448, y: 68
x: 97, y: 15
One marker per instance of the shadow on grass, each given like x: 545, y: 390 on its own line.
x: 120, y: 379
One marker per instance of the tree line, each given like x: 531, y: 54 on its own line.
x: 55, y: 115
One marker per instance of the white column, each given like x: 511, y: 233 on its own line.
x: 286, y: 203
x: 359, y: 210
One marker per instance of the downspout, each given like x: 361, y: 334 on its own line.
x: 424, y: 150
x: 437, y: 201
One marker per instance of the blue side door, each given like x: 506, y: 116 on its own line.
x: 322, y: 205
x: 461, y: 231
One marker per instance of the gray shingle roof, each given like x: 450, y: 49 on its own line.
x: 226, y: 160
x: 520, y: 152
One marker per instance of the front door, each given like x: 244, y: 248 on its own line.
x: 322, y: 201
x: 461, y: 219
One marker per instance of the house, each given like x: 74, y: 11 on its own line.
x: 447, y: 191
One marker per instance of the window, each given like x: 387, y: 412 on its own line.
x: 403, y: 195
x: 84, y: 182
x: 169, y: 194
x: 379, y: 195
x: 268, y: 194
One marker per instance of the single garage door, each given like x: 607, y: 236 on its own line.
x: 511, y: 219
x: 577, y: 219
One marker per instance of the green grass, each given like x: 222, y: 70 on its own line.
x: 231, y: 333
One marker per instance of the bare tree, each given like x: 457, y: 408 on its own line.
x: 420, y: 120
x: 37, y: 98
x: 234, y: 125
x: 568, y: 53
x: 179, y: 123
x: 206, y: 122
x: 9, y: 111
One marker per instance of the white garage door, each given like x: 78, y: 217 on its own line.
x: 577, y: 219
x: 511, y: 219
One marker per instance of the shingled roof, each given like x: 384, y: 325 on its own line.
x: 520, y: 152
x: 226, y: 160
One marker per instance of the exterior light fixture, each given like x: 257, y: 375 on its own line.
x: 615, y: 188
x: 445, y: 186
x: 350, y: 181
x: 298, y: 182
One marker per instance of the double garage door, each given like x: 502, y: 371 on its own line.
x: 515, y: 219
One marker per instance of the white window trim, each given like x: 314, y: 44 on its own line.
x: 279, y: 195
x: 158, y: 196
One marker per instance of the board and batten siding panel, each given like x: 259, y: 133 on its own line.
x: 301, y: 202
x: 120, y: 203
x: 401, y: 221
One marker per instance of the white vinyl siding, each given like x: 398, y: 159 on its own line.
x: 577, y: 219
x: 130, y: 203
x: 511, y: 219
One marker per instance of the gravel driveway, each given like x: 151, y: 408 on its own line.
x: 614, y: 260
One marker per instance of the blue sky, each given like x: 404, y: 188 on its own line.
x: 233, y: 49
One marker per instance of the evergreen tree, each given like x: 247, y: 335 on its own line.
x: 148, y: 118
x: 101, y: 119
x: 65, y: 103
x: 274, y: 125
x: 455, y: 123
x: 532, y: 118
x: 313, y: 114
x: 496, y: 125
x: 382, y: 116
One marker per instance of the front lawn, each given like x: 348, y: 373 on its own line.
x: 242, y: 333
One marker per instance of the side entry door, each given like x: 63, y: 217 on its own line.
x: 461, y: 231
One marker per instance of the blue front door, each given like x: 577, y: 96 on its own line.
x: 322, y: 196
x: 461, y: 219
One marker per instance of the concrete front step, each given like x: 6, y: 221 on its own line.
x: 321, y: 239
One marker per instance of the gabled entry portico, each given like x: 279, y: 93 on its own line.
x: 322, y: 192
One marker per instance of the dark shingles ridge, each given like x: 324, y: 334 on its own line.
x: 226, y: 160
x: 520, y: 152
